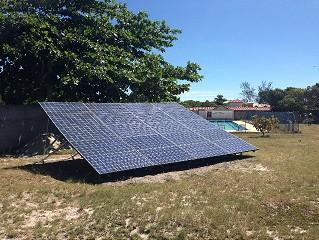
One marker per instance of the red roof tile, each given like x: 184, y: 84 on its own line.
x: 235, y: 101
x: 262, y: 109
x: 201, y: 108
x: 250, y: 108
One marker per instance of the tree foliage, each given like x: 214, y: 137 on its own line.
x: 263, y: 124
x: 247, y: 92
x: 312, y: 97
x: 263, y: 87
x: 291, y: 99
x: 192, y: 103
x: 220, y: 100
x: 93, y: 50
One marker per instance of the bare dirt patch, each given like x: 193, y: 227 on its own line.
x: 46, y: 216
x: 250, y: 167
x: 238, y: 165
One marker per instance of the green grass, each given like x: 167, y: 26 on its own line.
x: 273, y: 194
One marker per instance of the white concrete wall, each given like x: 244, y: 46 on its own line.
x: 203, y: 114
x: 223, y: 115
x: 218, y: 114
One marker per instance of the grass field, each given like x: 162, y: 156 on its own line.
x: 271, y: 194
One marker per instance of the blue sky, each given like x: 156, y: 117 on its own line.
x: 241, y: 40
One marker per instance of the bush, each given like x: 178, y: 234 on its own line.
x: 263, y: 124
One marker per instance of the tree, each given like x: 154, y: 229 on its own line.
x: 272, y: 97
x: 289, y: 99
x: 207, y: 103
x: 264, y: 87
x: 312, y: 97
x: 263, y: 124
x: 220, y: 100
x: 94, y: 50
x: 293, y: 100
x: 192, y: 103
x: 247, y: 92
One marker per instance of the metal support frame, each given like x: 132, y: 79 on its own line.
x: 56, y: 150
x: 49, y: 154
x: 46, y: 148
x: 72, y: 157
x: 45, y: 135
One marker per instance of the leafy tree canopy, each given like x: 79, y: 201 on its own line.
x: 192, y: 103
x: 220, y: 100
x: 93, y: 50
x: 289, y: 99
x: 263, y: 124
x: 312, y: 97
x: 272, y: 97
x: 294, y: 99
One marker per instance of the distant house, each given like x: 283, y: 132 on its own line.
x: 234, y: 110
x: 235, y: 103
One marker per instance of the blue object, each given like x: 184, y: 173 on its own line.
x: 228, y: 125
x: 115, y: 137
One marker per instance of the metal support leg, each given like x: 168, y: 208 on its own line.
x: 74, y: 155
x: 54, y: 151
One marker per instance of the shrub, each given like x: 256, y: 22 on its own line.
x: 263, y: 124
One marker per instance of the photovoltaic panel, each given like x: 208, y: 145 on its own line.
x: 204, y: 150
x: 166, y: 155
x: 116, y: 137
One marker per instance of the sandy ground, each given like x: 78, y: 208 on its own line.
x: 239, y: 165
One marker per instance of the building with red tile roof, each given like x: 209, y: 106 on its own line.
x: 235, y: 110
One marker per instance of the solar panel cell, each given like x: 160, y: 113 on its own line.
x: 183, y: 138
x: 204, y: 150
x: 106, y: 162
x: 166, y: 155
x: 213, y: 135
x: 233, y: 145
x: 169, y: 126
x: 132, y: 129
x: 146, y: 142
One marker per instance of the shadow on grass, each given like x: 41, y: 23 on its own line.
x: 261, y: 136
x: 80, y: 170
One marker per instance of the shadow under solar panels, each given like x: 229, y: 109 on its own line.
x: 115, y: 137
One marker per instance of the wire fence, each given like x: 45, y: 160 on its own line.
x: 289, y: 127
x: 288, y: 121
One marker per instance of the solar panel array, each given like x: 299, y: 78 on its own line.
x: 115, y: 137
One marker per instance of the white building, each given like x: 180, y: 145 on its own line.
x: 235, y: 110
